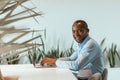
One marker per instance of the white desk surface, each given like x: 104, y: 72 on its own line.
x: 113, y: 74
x: 28, y: 72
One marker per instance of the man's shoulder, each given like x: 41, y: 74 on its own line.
x: 91, y: 43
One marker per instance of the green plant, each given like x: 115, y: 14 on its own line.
x: 36, y: 54
x: 56, y: 53
x: 13, y: 59
x: 69, y: 51
x: 102, y: 45
x: 111, y: 52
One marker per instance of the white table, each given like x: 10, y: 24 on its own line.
x: 28, y: 72
x: 113, y: 74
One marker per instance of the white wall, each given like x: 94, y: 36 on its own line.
x: 102, y: 16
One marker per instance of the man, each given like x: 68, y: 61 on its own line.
x: 87, y: 56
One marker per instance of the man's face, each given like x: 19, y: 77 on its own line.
x: 79, y: 32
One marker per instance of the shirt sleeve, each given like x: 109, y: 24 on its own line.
x: 85, y: 56
x: 74, y: 56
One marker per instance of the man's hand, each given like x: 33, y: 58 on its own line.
x: 48, y: 61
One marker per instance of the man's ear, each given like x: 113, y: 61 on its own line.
x: 87, y: 30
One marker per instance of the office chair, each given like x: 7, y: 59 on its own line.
x: 105, y: 74
x: 99, y: 76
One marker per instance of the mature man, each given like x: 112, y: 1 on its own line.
x: 88, y: 55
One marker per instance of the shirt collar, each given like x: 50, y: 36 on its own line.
x: 83, y: 43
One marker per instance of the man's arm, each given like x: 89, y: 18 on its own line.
x: 86, y: 56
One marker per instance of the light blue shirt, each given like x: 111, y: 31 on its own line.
x: 87, y: 56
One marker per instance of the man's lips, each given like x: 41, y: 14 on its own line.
x: 78, y: 38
